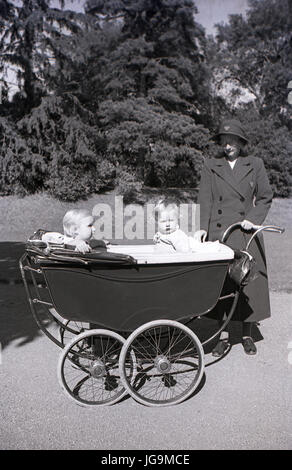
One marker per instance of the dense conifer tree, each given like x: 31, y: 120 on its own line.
x: 49, y: 137
x: 154, y: 91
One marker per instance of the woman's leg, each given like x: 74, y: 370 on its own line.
x: 247, y: 341
x: 223, y: 342
x: 246, y: 329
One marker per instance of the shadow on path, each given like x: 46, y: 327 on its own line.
x: 205, y: 327
x: 16, y: 321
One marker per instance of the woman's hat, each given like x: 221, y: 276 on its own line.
x: 233, y: 127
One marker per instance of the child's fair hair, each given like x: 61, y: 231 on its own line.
x: 72, y: 219
x: 166, y: 203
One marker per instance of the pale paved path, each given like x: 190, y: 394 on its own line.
x: 245, y: 402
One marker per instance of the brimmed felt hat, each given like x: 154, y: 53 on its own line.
x: 233, y: 127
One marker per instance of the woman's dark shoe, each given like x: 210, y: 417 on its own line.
x: 249, y: 346
x: 220, y: 348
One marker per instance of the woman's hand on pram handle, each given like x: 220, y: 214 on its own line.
x: 200, y: 235
x: 256, y: 230
x: 247, y: 225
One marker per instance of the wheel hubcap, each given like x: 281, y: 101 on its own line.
x: 162, y: 364
x: 97, y: 369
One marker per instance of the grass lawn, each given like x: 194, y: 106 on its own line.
x: 20, y: 217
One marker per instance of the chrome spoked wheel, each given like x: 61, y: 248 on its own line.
x: 170, y: 363
x: 88, y: 368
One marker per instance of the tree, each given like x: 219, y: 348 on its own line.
x: 50, y: 139
x: 272, y: 142
x: 255, y: 54
x: 29, y: 34
x: 153, y: 98
x: 251, y: 63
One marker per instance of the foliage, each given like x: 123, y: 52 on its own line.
x: 28, y: 32
x: 50, y: 140
x: 128, y: 186
x: 120, y: 100
x: 154, y: 93
x: 255, y: 54
x: 271, y: 141
x: 251, y: 65
x: 128, y: 93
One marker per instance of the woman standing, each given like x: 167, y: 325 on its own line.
x: 235, y: 188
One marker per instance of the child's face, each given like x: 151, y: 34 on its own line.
x: 84, y: 230
x: 167, y: 221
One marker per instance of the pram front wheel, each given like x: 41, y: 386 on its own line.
x: 88, y: 368
x: 169, y: 359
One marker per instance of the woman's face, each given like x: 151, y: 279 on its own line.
x: 231, y: 145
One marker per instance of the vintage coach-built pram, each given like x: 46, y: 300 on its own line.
x: 123, y: 315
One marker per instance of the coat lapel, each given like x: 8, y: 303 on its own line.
x: 222, y: 168
x: 242, y: 167
x: 233, y: 177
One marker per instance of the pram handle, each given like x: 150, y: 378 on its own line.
x: 257, y: 228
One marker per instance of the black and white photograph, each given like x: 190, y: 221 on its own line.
x: 145, y: 228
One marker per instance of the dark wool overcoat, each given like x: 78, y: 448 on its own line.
x: 227, y: 196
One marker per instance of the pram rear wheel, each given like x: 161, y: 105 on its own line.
x: 88, y: 368
x: 169, y: 359
x: 70, y: 329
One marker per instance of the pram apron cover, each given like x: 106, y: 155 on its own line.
x: 149, y: 254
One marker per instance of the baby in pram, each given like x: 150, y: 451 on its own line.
x: 170, y: 237
x: 78, y: 231
x: 78, y: 225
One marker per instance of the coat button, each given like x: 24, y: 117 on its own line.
x: 219, y: 211
x: 220, y: 198
x: 241, y: 213
x: 242, y: 199
x: 219, y: 225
